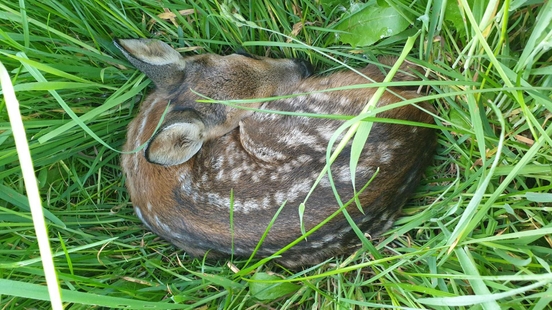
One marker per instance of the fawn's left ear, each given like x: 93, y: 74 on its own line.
x: 160, y: 62
x: 178, y: 139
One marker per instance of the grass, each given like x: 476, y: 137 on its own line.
x: 476, y: 235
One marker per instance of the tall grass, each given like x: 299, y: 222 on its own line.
x: 476, y: 234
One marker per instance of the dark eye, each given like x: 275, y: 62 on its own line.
x: 246, y: 54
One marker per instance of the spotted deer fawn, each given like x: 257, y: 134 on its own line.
x: 212, y: 177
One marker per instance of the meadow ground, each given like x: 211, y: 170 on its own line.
x: 475, y: 236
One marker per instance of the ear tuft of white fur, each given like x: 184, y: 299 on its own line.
x: 175, y: 144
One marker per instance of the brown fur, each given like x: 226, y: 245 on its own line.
x: 265, y: 159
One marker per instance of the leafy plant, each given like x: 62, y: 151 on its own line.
x: 370, y: 22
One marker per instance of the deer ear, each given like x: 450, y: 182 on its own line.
x: 160, y: 62
x: 175, y: 144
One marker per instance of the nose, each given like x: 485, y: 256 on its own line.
x: 305, y: 67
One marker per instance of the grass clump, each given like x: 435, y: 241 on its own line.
x: 476, y: 234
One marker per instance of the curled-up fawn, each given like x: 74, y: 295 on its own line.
x: 199, y: 155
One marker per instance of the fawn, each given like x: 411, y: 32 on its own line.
x: 196, y: 154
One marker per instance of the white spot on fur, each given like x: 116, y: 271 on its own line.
x: 324, y: 182
x: 212, y: 198
x: 344, y: 174
x: 318, y: 103
x: 388, y: 224
x: 279, y: 198
x: 410, y: 178
x: 236, y: 174
x: 274, y: 176
x: 396, y: 144
x: 386, y: 157
x: 385, y: 214
x: 299, y: 188
x: 140, y: 216
x: 297, y: 136
x: 364, y: 170
x: 327, y: 132
x: 220, y: 175
x: 251, y: 205
x: 219, y: 161
x: 344, y: 102
x: 316, y: 245
x: 266, y: 202
x: 401, y: 189
x: 366, y: 219
x: 320, y: 96
x: 305, y: 158
x: 256, y: 176
x: 328, y: 238
x: 185, y: 182
x: 162, y: 225
x: 344, y: 230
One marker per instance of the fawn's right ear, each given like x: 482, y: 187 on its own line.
x: 178, y: 139
x: 160, y: 62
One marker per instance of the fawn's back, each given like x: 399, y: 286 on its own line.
x: 212, y: 177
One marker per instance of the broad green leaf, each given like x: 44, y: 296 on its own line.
x: 539, y: 197
x: 267, y: 290
x: 371, y: 24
